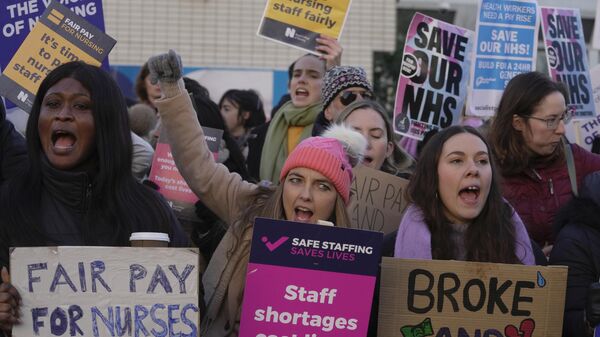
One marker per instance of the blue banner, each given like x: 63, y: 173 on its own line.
x: 506, y: 47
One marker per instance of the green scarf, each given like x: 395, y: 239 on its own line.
x: 274, y: 151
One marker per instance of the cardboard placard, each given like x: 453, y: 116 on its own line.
x: 298, y: 23
x: 567, y: 57
x: 506, y: 46
x: 60, y: 36
x: 432, y: 86
x: 106, y: 291
x: 377, y: 200
x: 454, y: 298
x: 309, y: 280
x: 165, y: 174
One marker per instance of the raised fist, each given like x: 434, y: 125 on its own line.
x: 165, y: 67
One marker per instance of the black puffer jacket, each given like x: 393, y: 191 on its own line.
x: 64, y: 217
x: 577, y: 246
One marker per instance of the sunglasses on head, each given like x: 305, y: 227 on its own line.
x: 348, y: 97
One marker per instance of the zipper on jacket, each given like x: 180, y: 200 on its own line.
x: 551, y: 186
x: 537, y: 175
x: 88, y: 196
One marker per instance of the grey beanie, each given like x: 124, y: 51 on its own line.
x: 339, y: 78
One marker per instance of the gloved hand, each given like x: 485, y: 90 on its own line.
x: 592, y: 305
x: 167, y: 70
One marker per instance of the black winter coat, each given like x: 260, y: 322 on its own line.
x: 578, y: 247
x: 64, y: 216
x: 13, y: 152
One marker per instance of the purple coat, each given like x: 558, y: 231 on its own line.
x: 414, y: 239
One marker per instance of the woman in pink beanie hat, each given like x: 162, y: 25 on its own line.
x: 314, y: 185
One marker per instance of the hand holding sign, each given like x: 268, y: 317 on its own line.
x: 10, y: 301
x: 331, y: 50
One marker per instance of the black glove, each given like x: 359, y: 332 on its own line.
x: 592, y: 305
x: 165, y: 67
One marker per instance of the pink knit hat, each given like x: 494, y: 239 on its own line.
x: 332, y: 157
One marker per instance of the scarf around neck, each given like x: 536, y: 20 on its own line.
x: 275, y: 152
x: 414, y: 238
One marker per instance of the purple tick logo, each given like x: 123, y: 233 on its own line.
x: 272, y: 246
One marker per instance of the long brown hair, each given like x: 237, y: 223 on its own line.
x: 521, y: 96
x: 140, y: 84
x: 490, y: 237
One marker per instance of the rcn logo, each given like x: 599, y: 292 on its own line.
x: 22, y: 96
x: 290, y: 32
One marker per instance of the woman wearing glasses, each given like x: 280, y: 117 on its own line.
x: 526, y: 137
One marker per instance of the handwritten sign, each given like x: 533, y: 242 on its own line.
x: 60, y: 36
x: 165, y: 174
x: 376, y: 200
x: 507, y: 33
x: 454, y: 298
x: 567, y: 57
x: 299, y: 23
x: 432, y: 87
x: 106, y: 291
x: 309, y: 280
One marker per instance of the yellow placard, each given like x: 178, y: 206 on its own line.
x: 42, y: 51
x: 320, y: 16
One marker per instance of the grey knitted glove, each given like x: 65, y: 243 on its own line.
x: 165, y: 67
x: 167, y: 70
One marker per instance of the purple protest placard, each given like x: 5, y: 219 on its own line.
x: 432, y: 86
x: 309, y: 280
x: 567, y: 57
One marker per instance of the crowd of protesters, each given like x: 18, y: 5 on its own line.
x: 517, y: 193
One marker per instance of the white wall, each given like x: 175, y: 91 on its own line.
x: 222, y: 33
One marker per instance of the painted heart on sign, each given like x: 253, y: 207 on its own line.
x: 525, y: 329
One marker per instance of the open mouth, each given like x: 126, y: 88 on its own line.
x: 367, y: 160
x: 63, y: 140
x: 469, y: 194
x: 301, y: 92
x: 302, y: 214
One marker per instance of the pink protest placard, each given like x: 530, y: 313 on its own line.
x: 309, y: 280
x: 433, y: 77
x: 171, y: 184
